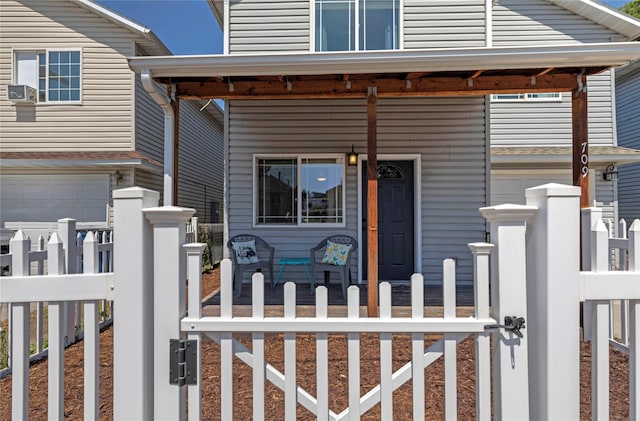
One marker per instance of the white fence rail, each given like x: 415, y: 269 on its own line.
x: 38, y: 263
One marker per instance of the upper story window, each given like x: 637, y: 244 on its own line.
x: 529, y: 97
x: 55, y: 74
x: 300, y: 190
x: 337, y: 23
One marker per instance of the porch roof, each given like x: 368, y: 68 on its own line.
x: 468, y: 71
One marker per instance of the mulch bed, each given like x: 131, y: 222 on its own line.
x: 274, y: 398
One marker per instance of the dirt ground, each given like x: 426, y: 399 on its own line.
x: 274, y: 398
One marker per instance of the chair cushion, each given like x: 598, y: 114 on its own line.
x: 336, y: 253
x: 245, y: 252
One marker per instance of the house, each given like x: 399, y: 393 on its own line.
x: 87, y: 124
x: 628, y: 129
x: 408, y: 92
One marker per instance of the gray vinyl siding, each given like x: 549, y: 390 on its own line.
x: 453, y: 166
x: 149, y: 124
x: 548, y: 123
x: 200, y: 161
x: 628, y: 124
x: 259, y: 26
x: 535, y: 22
x: 103, y: 121
x: 444, y: 24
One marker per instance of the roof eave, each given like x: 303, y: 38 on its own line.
x: 582, y: 55
x: 14, y: 164
x: 128, y: 24
x: 603, y: 15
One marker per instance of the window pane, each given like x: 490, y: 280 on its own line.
x: 53, y: 95
x: 544, y: 95
x: 26, y: 69
x: 75, y: 95
x: 322, y: 184
x: 379, y: 24
x: 75, y: 82
x: 335, y: 23
x: 64, y: 95
x: 75, y: 57
x: 277, y: 191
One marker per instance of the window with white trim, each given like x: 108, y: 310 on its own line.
x: 55, y: 74
x: 300, y: 190
x: 528, y: 97
x: 336, y: 23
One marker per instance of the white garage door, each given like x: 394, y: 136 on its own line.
x: 47, y: 198
x: 509, y: 188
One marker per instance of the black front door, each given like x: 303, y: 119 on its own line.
x: 395, y: 220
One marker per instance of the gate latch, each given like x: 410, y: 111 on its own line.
x: 512, y: 324
x: 183, y: 362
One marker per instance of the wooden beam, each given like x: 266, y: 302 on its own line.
x: 387, y: 87
x: 545, y: 71
x: 580, y: 145
x: 417, y: 75
x: 477, y: 74
x: 372, y: 204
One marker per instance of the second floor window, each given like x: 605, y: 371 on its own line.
x: 55, y: 74
x: 337, y: 23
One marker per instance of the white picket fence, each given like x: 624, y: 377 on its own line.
x: 535, y: 274
x: 37, y: 266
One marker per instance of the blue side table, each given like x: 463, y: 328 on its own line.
x: 293, y: 261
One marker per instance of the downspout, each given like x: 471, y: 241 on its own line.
x: 169, y: 122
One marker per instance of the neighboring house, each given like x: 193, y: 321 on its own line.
x: 628, y: 124
x: 91, y: 127
x: 531, y: 133
x: 303, y: 88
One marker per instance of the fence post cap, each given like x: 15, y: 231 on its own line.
x: 509, y: 212
x: 195, y: 248
x: 553, y: 190
x: 480, y: 248
x: 135, y: 193
x: 168, y: 214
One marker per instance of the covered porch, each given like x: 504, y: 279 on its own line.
x: 385, y: 75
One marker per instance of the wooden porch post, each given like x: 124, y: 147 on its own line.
x: 372, y: 203
x: 580, y: 149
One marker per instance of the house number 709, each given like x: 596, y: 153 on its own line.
x: 584, y: 160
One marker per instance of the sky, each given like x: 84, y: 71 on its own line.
x: 188, y: 26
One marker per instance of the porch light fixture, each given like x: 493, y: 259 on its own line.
x: 352, y: 157
x: 610, y: 174
x: 118, y: 177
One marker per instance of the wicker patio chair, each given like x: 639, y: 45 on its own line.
x: 245, y: 260
x: 322, y: 261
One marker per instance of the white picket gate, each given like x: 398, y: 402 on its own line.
x: 535, y: 274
